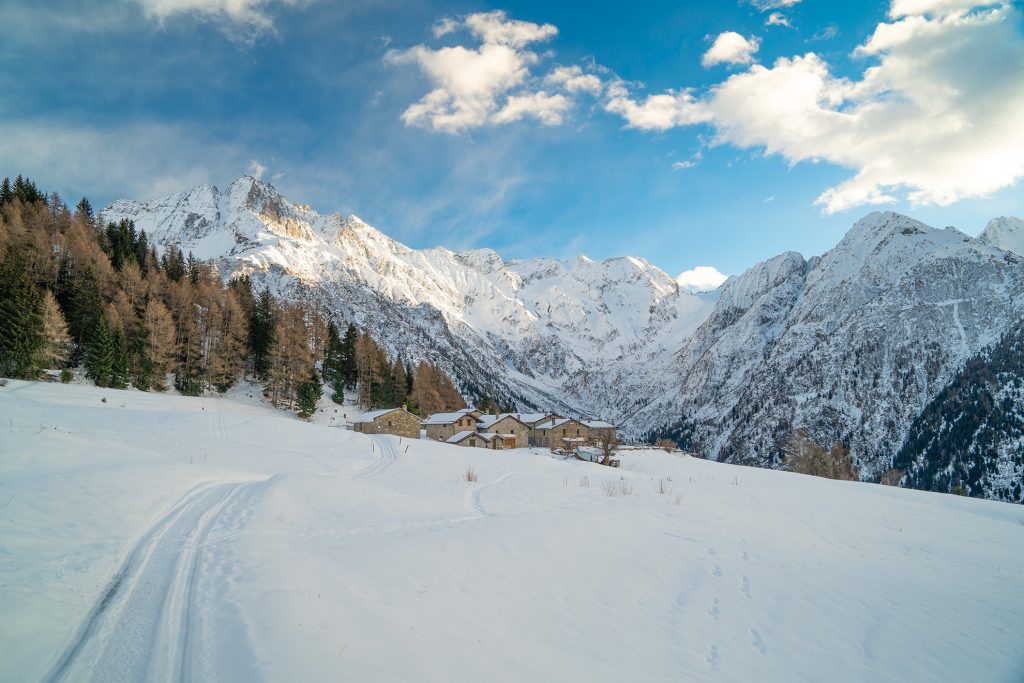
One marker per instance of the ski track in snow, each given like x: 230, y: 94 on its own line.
x: 141, y: 627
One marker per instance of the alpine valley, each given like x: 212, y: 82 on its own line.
x: 852, y: 346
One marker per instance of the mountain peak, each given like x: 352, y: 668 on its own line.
x: 1006, y: 233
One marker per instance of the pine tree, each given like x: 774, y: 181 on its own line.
x: 333, y: 369
x: 120, y: 369
x: 6, y: 193
x: 349, y: 368
x: 308, y: 394
x: 261, y: 333
x: 83, y: 211
x: 398, y: 376
x: 99, y: 353
x: 21, y: 325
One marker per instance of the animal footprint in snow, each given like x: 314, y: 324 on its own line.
x: 745, y: 556
x: 713, y: 609
x: 712, y: 655
x: 745, y: 587
x: 716, y: 571
x: 757, y: 641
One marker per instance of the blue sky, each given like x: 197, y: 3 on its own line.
x: 683, y: 138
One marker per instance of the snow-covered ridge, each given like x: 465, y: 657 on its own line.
x: 528, y: 324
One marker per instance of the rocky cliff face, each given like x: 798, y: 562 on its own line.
x: 851, y: 345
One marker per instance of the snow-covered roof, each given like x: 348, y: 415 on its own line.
x: 462, y: 435
x: 374, y: 414
x: 532, y: 418
x: 598, y: 424
x: 557, y: 423
x: 449, y: 418
x: 488, y: 420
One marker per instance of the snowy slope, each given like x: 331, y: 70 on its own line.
x: 156, y: 537
x: 524, y: 331
x: 851, y: 345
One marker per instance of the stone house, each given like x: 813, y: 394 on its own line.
x: 397, y: 421
x: 489, y: 440
x: 601, y: 431
x: 533, y: 421
x: 563, y: 432
x: 506, y: 424
x: 443, y: 426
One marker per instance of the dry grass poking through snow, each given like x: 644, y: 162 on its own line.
x: 619, y: 488
x: 470, y: 474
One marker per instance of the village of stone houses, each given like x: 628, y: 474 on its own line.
x: 586, y: 439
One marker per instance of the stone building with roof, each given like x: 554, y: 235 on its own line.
x: 397, y: 421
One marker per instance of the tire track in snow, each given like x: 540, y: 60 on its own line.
x: 139, y: 628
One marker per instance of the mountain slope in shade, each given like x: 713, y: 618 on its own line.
x: 970, y: 438
x: 527, y: 332
x: 850, y: 346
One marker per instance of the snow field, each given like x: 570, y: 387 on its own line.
x: 157, y: 537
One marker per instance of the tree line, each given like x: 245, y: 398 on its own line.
x: 78, y: 294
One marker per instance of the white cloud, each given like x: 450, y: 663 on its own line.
x: 244, y: 19
x: 495, y: 27
x: 777, y: 19
x: 574, y: 80
x: 657, y: 112
x: 485, y: 85
x: 683, y: 165
x: 905, y: 8
x: 730, y: 48
x: 935, y: 114
x: 766, y: 5
x: 548, y: 109
x: 256, y: 169
x: 701, y: 278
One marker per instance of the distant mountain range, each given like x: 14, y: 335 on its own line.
x: 851, y: 345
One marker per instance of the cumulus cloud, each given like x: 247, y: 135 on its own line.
x: 573, y: 79
x: 730, y: 48
x: 701, y: 279
x: 656, y: 112
x: 776, y: 19
x: 905, y: 8
x: 548, y: 109
x: 244, y: 19
x: 484, y: 85
x: 934, y: 115
x: 495, y: 27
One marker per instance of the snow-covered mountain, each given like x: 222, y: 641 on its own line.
x: 850, y: 345
x: 531, y: 332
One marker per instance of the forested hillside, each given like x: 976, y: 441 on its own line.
x: 970, y: 438
x: 75, y: 293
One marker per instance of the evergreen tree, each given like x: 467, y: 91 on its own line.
x: 261, y: 333
x: 333, y: 367
x: 349, y: 368
x: 308, y: 394
x: 6, y: 193
x: 99, y: 352
x: 83, y: 211
x: 120, y: 370
x: 21, y: 323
